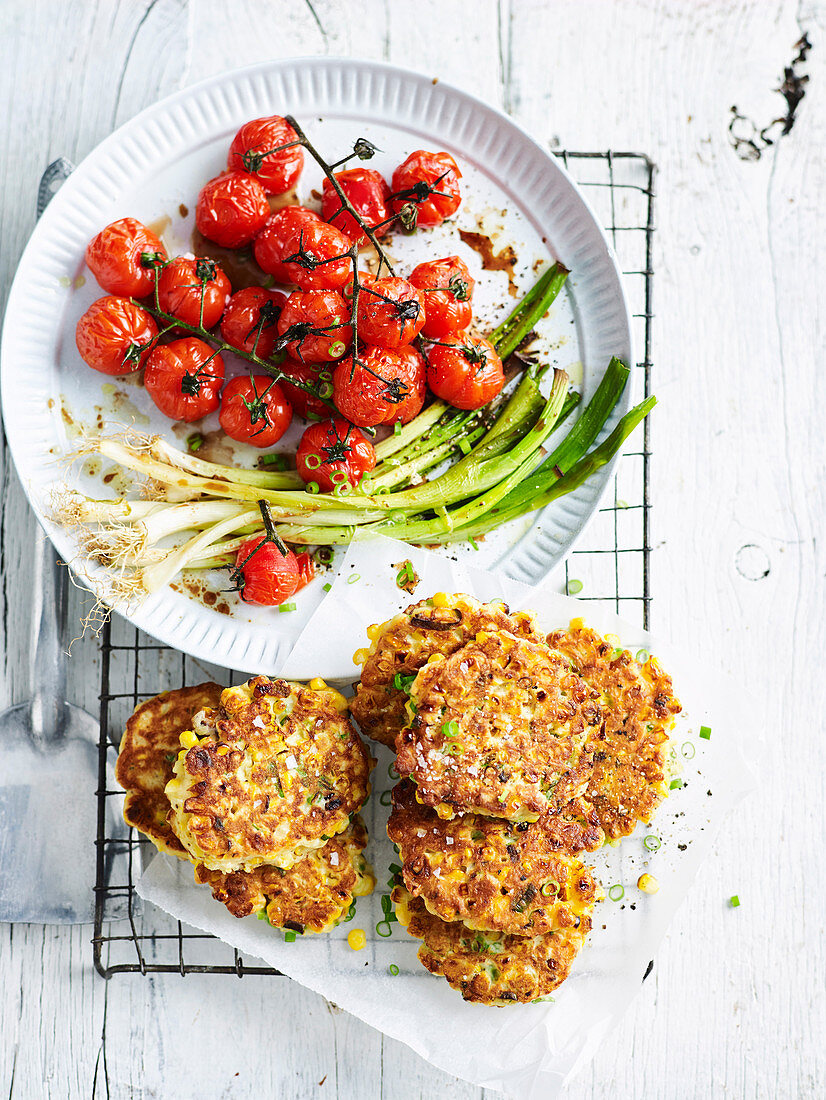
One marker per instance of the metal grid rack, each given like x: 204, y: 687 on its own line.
x: 609, y: 564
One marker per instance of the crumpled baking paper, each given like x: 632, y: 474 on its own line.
x: 528, y: 1051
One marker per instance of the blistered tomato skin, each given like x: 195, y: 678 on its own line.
x: 184, y: 378
x: 265, y: 574
x: 303, y: 403
x: 114, y: 335
x: 448, y: 290
x: 384, y: 386
x: 391, y: 311
x: 367, y: 191
x: 465, y: 371
x: 334, y: 453
x: 115, y: 258
x: 256, y: 149
x: 428, y: 185
x: 232, y: 209
x: 255, y: 410
x: 318, y: 322
x: 250, y: 321
x: 185, y: 283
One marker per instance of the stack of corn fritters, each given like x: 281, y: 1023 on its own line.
x: 518, y: 753
x: 259, y: 786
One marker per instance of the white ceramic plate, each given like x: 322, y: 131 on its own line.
x: 513, y: 188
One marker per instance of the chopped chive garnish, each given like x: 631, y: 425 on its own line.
x: 464, y: 446
x: 268, y: 282
x: 705, y: 733
x: 286, y: 607
x: 311, y: 487
x: 477, y: 835
x: 351, y: 912
x: 642, y: 656
x: 450, y: 729
x: 549, y: 889
x: 397, y: 430
x: 277, y: 460
x: 289, y: 937
x: 391, y: 771
x: 616, y: 653
x: 734, y: 901
x: 623, y: 504
x: 393, y: 969
x: 402, y: 682
x: 353, y: 578
x: 262, y: 914
x: 194, y: 442
x: 327, y: 587
x: 312, y: 462
x: 574, y: 587
x: 688, y: 750
x: 395, y: 868
x: 473, y: 542
x: 616, y: 892
x: 675, y: 784
x: 382, y: 925
x: 652, y: 843
x: 385, y: 798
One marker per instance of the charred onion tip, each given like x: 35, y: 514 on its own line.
x: 438, y: 623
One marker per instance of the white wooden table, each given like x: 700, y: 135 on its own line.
x: 736, y: 1005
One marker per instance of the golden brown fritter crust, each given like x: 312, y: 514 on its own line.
x: 311, y: 896
x: 405, y: 643
x: 499, y: 727
x: 494, y: 875
x: 491, y: 969
x: 148, y: 750
x: 282, y: 771
x: 630, y: 747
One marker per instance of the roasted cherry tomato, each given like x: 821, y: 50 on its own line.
x: 114, y: 335
x: 448, y: 289
x: 390, y: 311
x: 320, y: 250
x: 334, y: 453
x: 255, y: 409
x: 184, y: 284
x: 464, y: 370
x: 384, y: 386
x: 256, y: 149
x: 303, y: 403
x: 250, y: 321
x: 184, y: 378
x: 367, y: 190
x: 316, y: 321
x: 264, y: 574
x: 121, y: 258
x: 232, y: 209
x: 426, y: 189
x: 306, y: 569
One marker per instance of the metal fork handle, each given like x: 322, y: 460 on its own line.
x: 47, y: 659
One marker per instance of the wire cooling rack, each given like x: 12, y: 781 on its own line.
x: 609, y: 565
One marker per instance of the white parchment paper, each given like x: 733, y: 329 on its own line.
x: 528, y: 1051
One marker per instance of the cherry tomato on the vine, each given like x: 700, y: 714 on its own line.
x: 256, y: 149
x: 334, y: 453
x: 391, y: 311
x: 232, y: 209
x: 265, y: 574
x: 303, y: 403
x: 448, y: 290
x: 184, y: 378
x: 426, y: 189
x: 114, y: 335
x: 368, y: 192
x: 184, y: 284
x: 121, y: 257
x: 318, y: 323
x: 382, y: 387
x: 255, y: 409
x: 295, y: 231
x: 250, y: 321
x: 464, y: 370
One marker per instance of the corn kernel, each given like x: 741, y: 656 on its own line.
x: 317, y: 684
x: 222, y: 750
x: 360, y: 656
x: 577, y: 624
x: 482, y: 636
x: 441, y: 599
x: 188, y: 739
x: 356, y: 939
x: 435, y: 658
x: 374, y: 631
x: 648, y: 884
